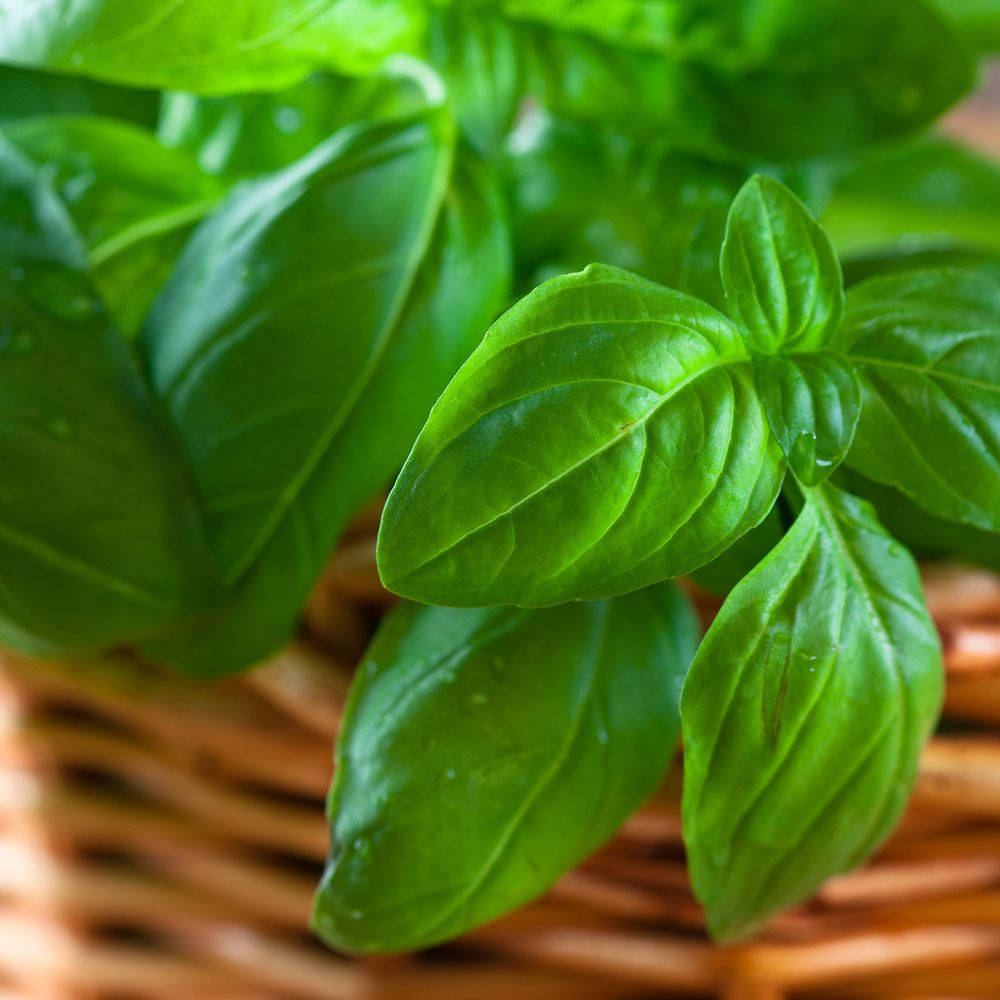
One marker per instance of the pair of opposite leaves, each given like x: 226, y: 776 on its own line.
x: 610, y: 433
x: 280, y: 353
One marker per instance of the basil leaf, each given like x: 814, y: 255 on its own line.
x: 480, y: 60
x: 255, y: 44
x: 485, y: 752
x: 928, y: 194
x: 924, y: 534
x: 927, y: 348
x: 978, y: 19
x: 604, y: 436
x: 812, y: 402
x: 28, y: 92
x: 780, y: 273
x: 804, y: 714
x: 99, y: 536
x: 283, y: 351
x: 241, y: 135
x: 792, y: 82
x: 133, y: 202
x: 871, y: 265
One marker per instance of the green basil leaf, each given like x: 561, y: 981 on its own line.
x: 604, y: 436
x: 926, y: 535
x: 255, y: 44
x: 804, y: 714
x: 780, y: 273
x: 133, y: 202
x: 861, y: 267
x: 812, y: 402
x: 791, y: 81
x: 99, y: 536
x: 283, y: 348
x: 929, y: 194
x: 241, y: 135
x: 978, y: 19
x: 480, y: 60
x: 724, y: 572
x: 28, y: 92
x: 485, y: 752
x: 927, y: 349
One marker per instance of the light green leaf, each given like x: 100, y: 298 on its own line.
x: 780, y: 274
x: 925, y: 195
x: 480, y: 60
x: 604, y: 436
x: 927, y: 348
x: 724, y: 572
x: 804, y: 714
x: 979, y: 19
x: 134, y: 202
x: 812, y: 402
x: 99, y: 538
x: 485, y: 752
x: 205, y: 47
x: 284, y: 352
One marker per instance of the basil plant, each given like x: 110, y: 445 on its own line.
x: 610, y: 434
x: 245, y: 247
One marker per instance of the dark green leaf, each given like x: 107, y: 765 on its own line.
x: 300, y: 342
x: 924, y: 195
x: 804, y: 714
x: 871, y: 265
x: 211, y: 49
x: 28, y: 92
x: 243, y: 135
x: 927, y: 348
x: 99, y: 539
x: 134, y: 202
x: 604, y: 436
x: 780, y: 274
x: 812, y: 402
x: 479, y: 58
x: 485, y: 752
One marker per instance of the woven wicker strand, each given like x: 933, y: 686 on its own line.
x: 161, y: 839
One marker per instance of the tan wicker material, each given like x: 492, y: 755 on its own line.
x: 161, y: 839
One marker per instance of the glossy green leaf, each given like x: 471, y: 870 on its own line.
x: 780, y: 274
x: 925, y: 535
x: 604, y: 436
x: 486, y: 751
x: 927, y: 348
x: 804, y: 714
x: 99, y: 537
x: 28, y: 92
x: 296, y: 350
x: 812, y: 402
x: 479, y: 57
x: 241, y: 135
x: 133, y: 202
x: 928, y: 194
x: 205, y: 47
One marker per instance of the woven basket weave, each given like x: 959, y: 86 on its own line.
x: 161, y: 839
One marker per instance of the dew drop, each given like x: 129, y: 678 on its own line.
x: 450, y: 774
x: 287, y: 119
x: 603, y: 737
x: 356, y: 914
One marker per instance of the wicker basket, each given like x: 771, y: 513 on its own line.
x: 161, y: 839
